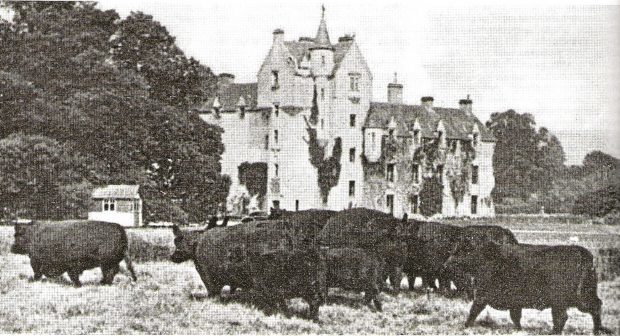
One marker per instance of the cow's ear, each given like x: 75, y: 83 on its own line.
x: 176, y: 230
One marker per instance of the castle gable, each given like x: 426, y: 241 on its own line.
x: 457, y: 123
x: 228, y: 96
x: 301, y: 49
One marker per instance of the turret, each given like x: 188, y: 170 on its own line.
x: 322, y: 52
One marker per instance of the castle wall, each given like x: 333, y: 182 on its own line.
x: 345, y: 102
x: 244, y: 141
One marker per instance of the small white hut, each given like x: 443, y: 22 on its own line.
x: 120, y: 204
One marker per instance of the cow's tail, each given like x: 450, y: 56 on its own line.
x: 129, y: 265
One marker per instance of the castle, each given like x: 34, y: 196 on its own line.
x: 312, y: 137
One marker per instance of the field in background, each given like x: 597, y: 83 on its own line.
x: 169, y: 298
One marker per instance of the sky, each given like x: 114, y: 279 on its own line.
x: 559, y: 62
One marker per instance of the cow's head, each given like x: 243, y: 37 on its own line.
x: 468, y: 257
x: 185, y: 244
x: 23, y: 237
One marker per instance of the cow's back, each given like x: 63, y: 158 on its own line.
x: 85, y: 241
x: 494, y: 233
x: 550, y: 275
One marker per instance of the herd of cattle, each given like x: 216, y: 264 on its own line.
x: 304, y: 253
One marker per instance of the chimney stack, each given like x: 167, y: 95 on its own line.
x: 225, y: 79
x: 395, y: 92
x: 278, y: 36
x: 466, y: 105
x: 427, y: 101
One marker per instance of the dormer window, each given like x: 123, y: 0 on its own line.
x: 475, y: 139
x: 391, y: 132
x: 276, y: 110
x: 275, y: 81
x: 416, y: 136
x: 354, y: 82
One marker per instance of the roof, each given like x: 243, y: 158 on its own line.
x: 117, y: 191
x: 299, y: 49
x: 457, y: 123
x: 228, y: 97
x: 322, y: 37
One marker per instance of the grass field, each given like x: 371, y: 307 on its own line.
x: 170, y: 298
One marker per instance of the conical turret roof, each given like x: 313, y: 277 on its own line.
x: 321, y: 41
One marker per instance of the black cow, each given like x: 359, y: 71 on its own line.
x: 433, y: 244
x: 185, y: 242
x: 374, y: 231
x: 280, y: 275
x: 513, y: 277
x: 356, y: 269
x: 428, y: 251
x: 222, y: 254
x: 56, y: 248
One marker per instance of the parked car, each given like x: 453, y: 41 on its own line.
x: 254, y: 216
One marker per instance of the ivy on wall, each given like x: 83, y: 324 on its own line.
x: 314, y: 110
x: 429, y: 156
x: 328, y: 169
x: 254, y: 177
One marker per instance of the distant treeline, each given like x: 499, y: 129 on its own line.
x: 530, y: 174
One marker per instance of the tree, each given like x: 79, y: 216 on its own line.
x: 144, y: 45
x: 525, y: 159
x: 32, y: 171
x: 61, y: 81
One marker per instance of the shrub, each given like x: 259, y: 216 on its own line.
x: 599, y: 202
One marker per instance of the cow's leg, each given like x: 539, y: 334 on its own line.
x: 594, y: 309
x: 36, y: 268
x: 74, y: 275
x: 109, y: 271
x: 559, y: 316
x: 476, y: 308
x: 212, y: 287
x: 411, y: 280
x: 515, y: 316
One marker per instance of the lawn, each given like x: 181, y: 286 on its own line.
x: 170, y: 298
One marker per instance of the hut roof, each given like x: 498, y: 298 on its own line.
x: 117, y: 191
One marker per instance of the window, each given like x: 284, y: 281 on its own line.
x: 354, y: 83
x: 440, y: 173
x: 474, y: 205
x: 390, y: 203
x: 275, y: 136
x: 352, y: 120
x: 322, y: 123
x: 415, y: 203
x: 351, y: 188
x: 372, y: 139
x: 296, y: 205
x: 277, y: 168
x: 475, y: 139
x: 440, y: 137
x: 453, y: 145
x: 276, y: 204
x: 351, y: 154
x: 391, y: 132
x: 416, y: 136
x: 322, y: 94
x: 276, y: 110
x: 109, y: 205
x: 415, y: 173
x: 474, y: 175
x: 275, y: 81
x: 266, y: 141
x: 323, y: 59
x: 390, y: 172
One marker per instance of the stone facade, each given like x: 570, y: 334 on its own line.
x: 268, y: 122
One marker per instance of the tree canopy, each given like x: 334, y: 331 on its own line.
x: 109, y: 98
